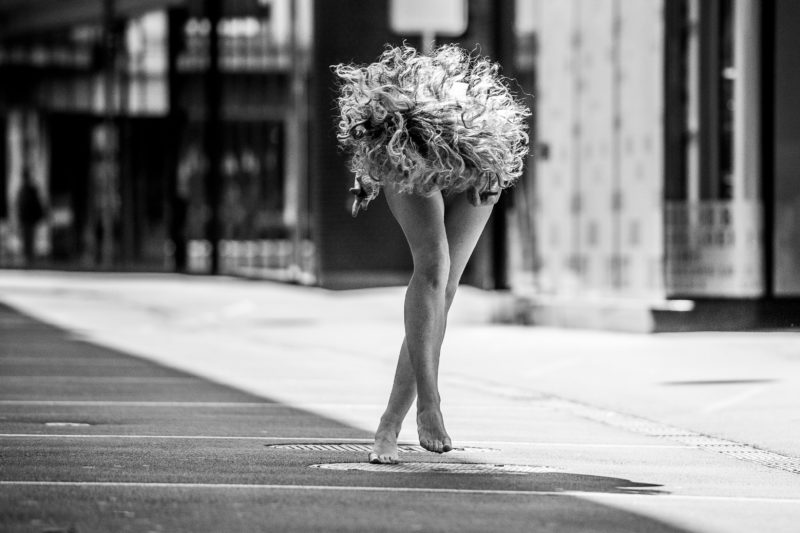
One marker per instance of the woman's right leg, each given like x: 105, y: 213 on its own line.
x: 404, y: 392
x: 422, y: 221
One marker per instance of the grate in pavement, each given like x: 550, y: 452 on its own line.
x: 364, y: 448
x: 438, y: 468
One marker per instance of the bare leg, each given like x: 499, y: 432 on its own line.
x: 422, y: 221
x: 404, y: 392
x: 463, y: 227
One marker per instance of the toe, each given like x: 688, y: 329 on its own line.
x: 447, y: 445
x: 374, y: 458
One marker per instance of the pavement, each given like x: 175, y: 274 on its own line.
x: 133, y: 402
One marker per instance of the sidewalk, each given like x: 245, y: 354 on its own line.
x: 621, y: 406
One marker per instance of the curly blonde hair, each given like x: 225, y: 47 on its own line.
x: 444, y: 121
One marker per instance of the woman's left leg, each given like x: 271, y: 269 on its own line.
x: 464, y: 224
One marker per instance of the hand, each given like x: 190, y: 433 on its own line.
x: 485, y: 198
x: 364, y: 190
x: 359, y: 204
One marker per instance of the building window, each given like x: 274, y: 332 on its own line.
x: 700, y: 78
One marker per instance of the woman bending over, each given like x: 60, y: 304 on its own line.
x: 442, y: 136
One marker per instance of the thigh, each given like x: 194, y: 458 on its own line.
x: 422, y: 221
x: 464, y: 224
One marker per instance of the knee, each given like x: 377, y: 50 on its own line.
x: 432, y: 269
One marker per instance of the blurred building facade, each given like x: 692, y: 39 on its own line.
x: 105, y: 103
x: 662, y: 178
x: 665, y: 175
x: 119, y: 107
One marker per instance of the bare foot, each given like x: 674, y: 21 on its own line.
x: 430, y: 428
x: 384, y: 450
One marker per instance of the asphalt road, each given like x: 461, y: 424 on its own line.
x: 98, y: 440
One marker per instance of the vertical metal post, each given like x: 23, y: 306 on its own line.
x: 177, y: 204
x: 128, y: 191
x: 675, y: 51
x: 110, y: 162
x: 505, y: 51
x: 767, y: 48
x: 212, y: 134
x: 296, y: 175
x: 710, y: 84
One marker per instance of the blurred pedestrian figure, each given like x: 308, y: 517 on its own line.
x: 442, y: 136
x: 29, y: 213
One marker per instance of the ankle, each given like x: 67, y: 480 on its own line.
x: 431, y: 403
x: 391, y: 421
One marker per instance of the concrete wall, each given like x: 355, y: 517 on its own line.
x: 599, y: 117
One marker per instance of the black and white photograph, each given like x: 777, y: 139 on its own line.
x: 303, y: 266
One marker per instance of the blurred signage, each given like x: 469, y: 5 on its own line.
x: 714, y: 248
x: 441, y: 17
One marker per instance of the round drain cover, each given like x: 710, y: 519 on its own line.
x: 364, y: 448
x: 437, y: 468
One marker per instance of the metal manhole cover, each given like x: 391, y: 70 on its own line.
x: 438, y: 468
x: 365, y: 448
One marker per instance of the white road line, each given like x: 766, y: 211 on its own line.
x: 172, y: 437
x: 112, y: 403
x: 330, y: 488
x: 104, y: 379
x: 93, y: 362
x: 323, y: 440
x: 138, y: 403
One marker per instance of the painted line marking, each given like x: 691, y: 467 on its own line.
x: 324, y: 440
x: 139, y: 403
x: 111, y: 403
x: 44, y: 360
x: 331, y: 488
x: 105, y: 379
